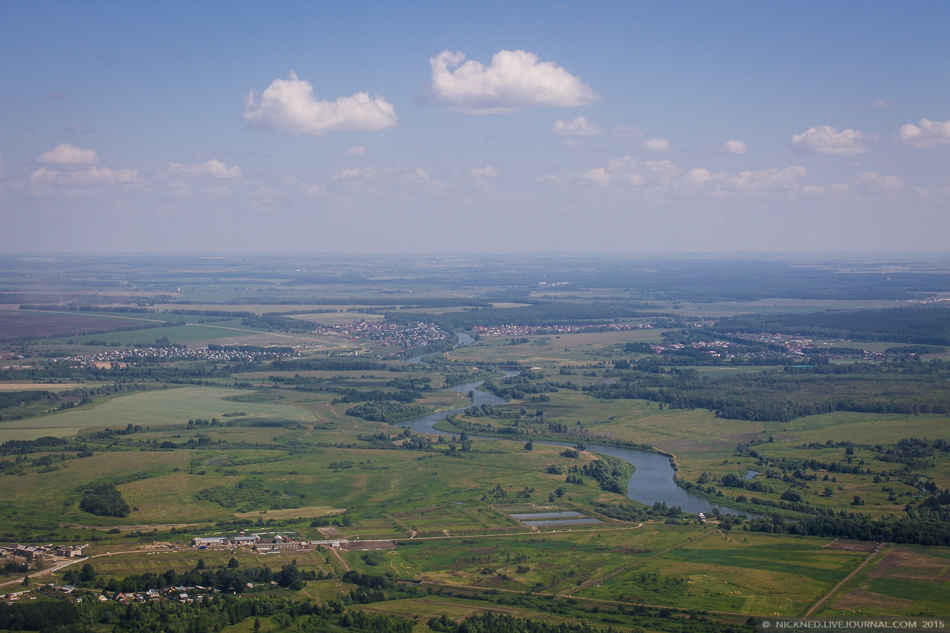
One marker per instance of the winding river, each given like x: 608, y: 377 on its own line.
x: 651, y: 482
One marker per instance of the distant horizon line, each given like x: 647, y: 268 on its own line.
x: 478, y: 255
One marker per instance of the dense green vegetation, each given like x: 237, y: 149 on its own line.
x: 251, y: 494
x: 919, y: 325
x: 104, y: 500
x: 795, y: 392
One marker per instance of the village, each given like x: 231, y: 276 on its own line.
x: 33, y: 560
x: 131, y: 355
x: 522, y: 330
x: 384, y: 334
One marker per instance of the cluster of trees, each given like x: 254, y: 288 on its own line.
x: 912, y: 451
x: 39, y: 445
x: 611, y: 473
x: 209, y: 615
x: 773, y: 396
x: 375, y: 395
x: 15, y: 405
x: 251, y: 494
x: 913, y: 325
x: 921, y: 528
x: 389, y: 412
x: 411, y: 383
x: 732, y: 480
x: 276, y: 323
x: 328, y: 363
x: 516, y: 387
x: 104, y: 500
x: 232, y: 578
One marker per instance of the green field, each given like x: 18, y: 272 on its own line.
x: 153, y: 408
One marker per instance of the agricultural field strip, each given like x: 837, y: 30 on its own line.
x: 843, y: 581
x: 84, y: 314
x: 625, y: 568
x: 478, y: 589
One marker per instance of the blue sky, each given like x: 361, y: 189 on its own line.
x: 485, y: 127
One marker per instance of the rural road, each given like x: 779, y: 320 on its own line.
x: 841, y: 584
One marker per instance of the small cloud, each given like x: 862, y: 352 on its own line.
x: 767, y: 179
x: 597, y: 176
x: 484, y: 172
x: 45, y: 177
x: 366, y: 173
x: 876, y: 183
x: 578, y: 127
x: 657, y: 145
x: 698, y: 176
x: 512, y: 81
x: 288, y: 105
x: 356, y: 150
x: 626, y: 131
x: 68, y: 154
x: 735, y: 147
x: 828, y: 140
x: 926, y: 133
x: 76, y: 128
x: 813, y: 189
x: 214, y: 168
x: 57, y: 96
x: 104, y: 176
x: 881, y: 104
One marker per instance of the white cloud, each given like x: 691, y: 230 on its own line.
x: 661, y: 179
x: 580, y: 126
x: 366, y: 173
x: 657, y: 145
x: 356, y: 150
x: 882, y: 104
x: 627, y: 171
x: 766, y: 179
x: 103, y: 176
x: 735, y: 147
x: 45, y: 178
x: 597, y: 176
x: 927, y: 133
x: 213, y: 168
x: 876, y: 183
x: 484, y: 172
x: 68, y: 154
x: 698, y: 176
x: 828, y: 140
x: 626, y: 131
x: 512, y: 81
x: 288, y: 105
x: 750, y: 181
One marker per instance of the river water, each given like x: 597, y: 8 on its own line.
x: 651, y: 482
